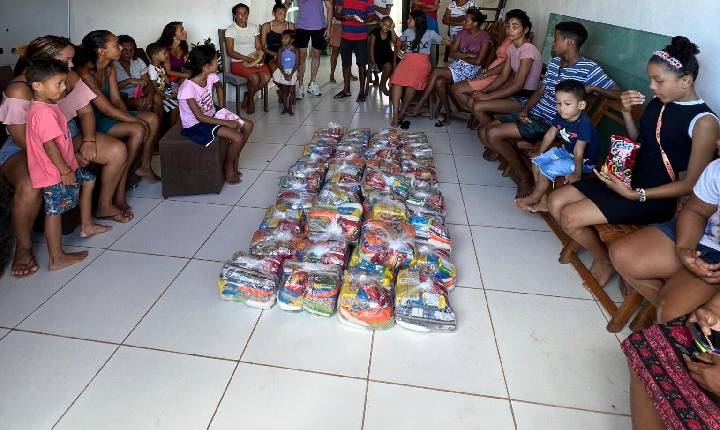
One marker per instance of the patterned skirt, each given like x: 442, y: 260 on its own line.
x: 654, y: 355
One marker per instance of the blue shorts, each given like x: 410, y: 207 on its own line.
x: 558, y: 162
x: 61, y: 198
x: 201, y: 133
x: 11, y: 148
x: 708, y: 255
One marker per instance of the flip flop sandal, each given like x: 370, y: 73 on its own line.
x: 341, y: 95
x: 117, y: 217
x: 361, y: 99
x: 442, y: 123
x: 27, y: 266
x: 404, y: 124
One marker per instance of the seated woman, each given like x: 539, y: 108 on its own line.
x: 673, y: 384
x: 271, y: 34
x: 675, y: 265
x: 677, y: 134
x: 89, y: 146
x: 241, y: 44
x: 470, y: 49
x: 518, y: 79
x: 174, y: 39
x: 133, y: 79
x: 413, y: 72
x: 139, y: 130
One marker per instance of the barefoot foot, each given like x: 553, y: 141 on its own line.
x: 540, y: 206
x: 66, y: 259
x: 147, y: 174
x: 93, y: 229
x: 602, y: 271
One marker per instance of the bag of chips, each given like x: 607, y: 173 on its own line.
x: 621, y: 159
x: 333, y: 130
x: 249, y: 279
x: 431, y: 199
x: 325, y: 252
x: 282, y: 217
x: 422, y: 303
x: 429, y: 230
x: 294, y: 183
x: 436, y: 263
x: 388, y: 209
x: 327, y: 222
x: 366, y: 301
x: 308, y: 286
x: 388, y: 244
x: 333, y: 194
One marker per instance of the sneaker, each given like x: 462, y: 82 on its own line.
x: 314, y: 89
x: 300, y: 92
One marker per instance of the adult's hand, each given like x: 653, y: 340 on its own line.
x: 707, y: 317
x: 88, y: 150
x: 706, y: 372
x: 523, y: 116
x: 690, y: 258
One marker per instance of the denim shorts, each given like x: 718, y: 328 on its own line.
x: 10, y: 148
x: 557, y: 162
x: 708, y: 255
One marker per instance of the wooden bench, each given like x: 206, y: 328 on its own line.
x: 189, y: 168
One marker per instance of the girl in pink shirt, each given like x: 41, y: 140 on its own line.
x: 52, y: 163
x: 201, y: 121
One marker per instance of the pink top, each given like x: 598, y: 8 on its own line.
x: 78, y: 98
x: 527, y: 50
x: 46, y: 122
x: 467, y: 43
x: 14, y: 111
x: 203, y: 97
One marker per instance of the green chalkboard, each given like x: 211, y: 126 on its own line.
x: 622, y: 52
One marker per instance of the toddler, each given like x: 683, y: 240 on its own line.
x: 285, y: 76
x: 201, y: 121
x: 51, y: 161
x: 158, y: 56
x: 577, y: 155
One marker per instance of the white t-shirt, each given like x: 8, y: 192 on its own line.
x: 137, y: 70
x: 458, y: 11
x: 707, y: 189
x: 243, y: 38
x: 383, y: 4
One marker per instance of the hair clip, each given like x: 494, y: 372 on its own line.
x: 672, y: 61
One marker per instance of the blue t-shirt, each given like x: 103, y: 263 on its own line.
x: 581, y: 129
x: 584, y: 70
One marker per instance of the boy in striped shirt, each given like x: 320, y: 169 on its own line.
x: 531, y: 123
x: 354, y: 16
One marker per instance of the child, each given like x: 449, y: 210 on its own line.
x: 413, y: 72
x: 285, y: 75
x: 579, y: 152
x: 382, y: 40
x: 159, y: 56
x: 200, y: 120
x: 51, y: 161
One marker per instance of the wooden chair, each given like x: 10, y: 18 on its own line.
x: 611, y: 110
x: 237, y: 81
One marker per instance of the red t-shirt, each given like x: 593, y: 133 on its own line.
x: 46, y: 122
x: 351, y: 28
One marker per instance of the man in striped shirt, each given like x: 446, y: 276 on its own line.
x: 531, y: 123
x: 354, y: 16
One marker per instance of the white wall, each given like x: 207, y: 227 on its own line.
x: 145, y: 19
x: 695, y: 20
x: 51, y: 16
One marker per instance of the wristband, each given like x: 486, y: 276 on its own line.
x: 642, y: 195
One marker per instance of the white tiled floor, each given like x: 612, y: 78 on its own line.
x: 136, y: 336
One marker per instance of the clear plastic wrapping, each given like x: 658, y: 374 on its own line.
x: 250, y: 279
x: 309, y: 286
x: 366, y: 301
x: 422, y: 303
x: 327, y: 222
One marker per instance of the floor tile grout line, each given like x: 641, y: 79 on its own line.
x: 212, y: 232
x: 136, y: 223
x: 367, y: 381
x: 573, y: 408
x: 526, y: 293
x: 58, y: 290
x: 232, y: 374
x: 84, y: 389
x: 492, y: 327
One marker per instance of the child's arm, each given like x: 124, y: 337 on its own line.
x: 208, y: 119
x: 548, y: 139
x: 297, y: 63
x: 66, y: 173
x: 220, y: 93
x: 579, y: 155
x: 691, y: 222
